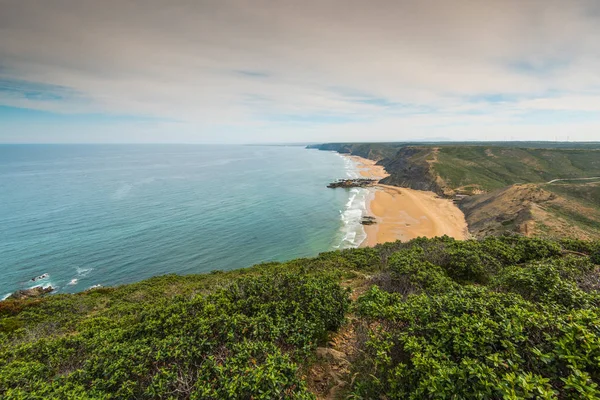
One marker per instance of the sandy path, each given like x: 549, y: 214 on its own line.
x: 404, y: 214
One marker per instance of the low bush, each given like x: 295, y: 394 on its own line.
x: 506, y: 317
x: 476, y: 343
x: 412, y: 274
x: 542, y: 282
x: 242, y: 341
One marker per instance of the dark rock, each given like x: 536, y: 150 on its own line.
x: 32, y: 293
x: 368, y: 220
x: 350, y: 183
x: 39, y: 278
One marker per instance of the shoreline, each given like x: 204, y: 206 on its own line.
x: 405, y: 214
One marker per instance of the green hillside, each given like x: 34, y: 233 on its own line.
x: 504, y: 317
x: 469, y: 168
x: 490, y: 168
x: 586, y: 192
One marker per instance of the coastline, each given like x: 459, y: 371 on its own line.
x: 405, y: 214
x: 368, y: 168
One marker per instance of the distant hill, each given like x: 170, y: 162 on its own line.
x: 505, y: 188
x: 518, y: 144
x: 372, y: 151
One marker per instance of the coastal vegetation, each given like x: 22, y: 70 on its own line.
x: 508, y: 316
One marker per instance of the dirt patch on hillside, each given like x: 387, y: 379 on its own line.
x: 329, y: 377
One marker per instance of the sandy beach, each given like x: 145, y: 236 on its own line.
x: 404, y: 214
x: 368, y: 168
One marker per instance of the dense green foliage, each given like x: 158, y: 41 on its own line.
x: 506, y: 317
x: 498, y: 318
x: 242, y: 340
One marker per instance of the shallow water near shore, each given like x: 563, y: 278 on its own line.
x: 113, y: 214
x: 352, y: 233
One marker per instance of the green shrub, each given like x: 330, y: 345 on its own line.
x: 241, y: 341
x: 542, y: 282
x: 366, y: 258
x: 517, y: 249
x: 466, y: 265
x: 580, y: 246
x: 595, y: 257
x: 474, y: 343
x: 473, y: 261
x: 412, y: 274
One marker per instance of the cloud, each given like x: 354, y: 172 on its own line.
x: 317, y: 70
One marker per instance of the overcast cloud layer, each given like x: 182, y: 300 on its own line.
x: 235, y: 71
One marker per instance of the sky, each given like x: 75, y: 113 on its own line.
x: 263, y: 71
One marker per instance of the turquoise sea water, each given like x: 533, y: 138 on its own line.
x: 112, y: 214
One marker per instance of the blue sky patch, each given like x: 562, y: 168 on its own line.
x: 35, y: 91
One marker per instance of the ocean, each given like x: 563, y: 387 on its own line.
x: 87, y: 215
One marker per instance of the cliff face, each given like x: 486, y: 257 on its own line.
x: 411, y: 167
x: 408, y: 166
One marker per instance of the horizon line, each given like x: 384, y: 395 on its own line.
x: 297, y: 143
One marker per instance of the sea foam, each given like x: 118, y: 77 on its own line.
x: 352, y: 232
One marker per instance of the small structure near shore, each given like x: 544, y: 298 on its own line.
x: 350, y: 183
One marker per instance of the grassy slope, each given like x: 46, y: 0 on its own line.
x: 579, y: 203
x: 492, y: 168
x: 254, y: 332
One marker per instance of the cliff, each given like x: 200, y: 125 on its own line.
x: 408, y: 166
x: 412, y: 167
x: 450, y: 169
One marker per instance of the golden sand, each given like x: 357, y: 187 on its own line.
x: 368, y: 168
x: 404, y: 214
